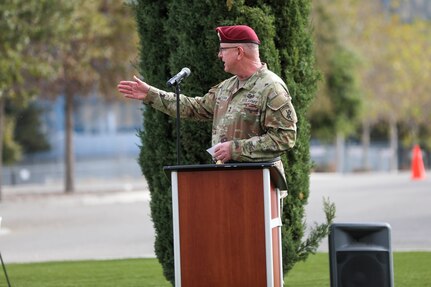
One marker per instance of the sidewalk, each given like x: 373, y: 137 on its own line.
x: 102, y: 219
x: 81, y: 187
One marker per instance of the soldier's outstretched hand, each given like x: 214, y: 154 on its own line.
x: 136, y: 89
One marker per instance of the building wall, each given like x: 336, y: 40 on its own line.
x: 101, y: 128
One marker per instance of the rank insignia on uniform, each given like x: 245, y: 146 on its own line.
x: 287, y: 114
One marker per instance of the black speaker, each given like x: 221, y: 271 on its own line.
x: 360, y: 255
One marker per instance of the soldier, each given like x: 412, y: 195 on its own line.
x: 252, y: 113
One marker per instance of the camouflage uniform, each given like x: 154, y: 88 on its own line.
x: 258, y: 117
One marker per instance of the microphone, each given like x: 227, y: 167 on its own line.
x: 184, y: 73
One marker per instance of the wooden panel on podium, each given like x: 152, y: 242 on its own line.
x: 226, y: 229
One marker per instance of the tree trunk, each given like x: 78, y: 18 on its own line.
x: 393, y: 145
x: 2, y: 112
x: 340, y: 152
x: 365, y: 144
x: 69, y: 151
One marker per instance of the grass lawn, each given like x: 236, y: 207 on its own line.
x: 411, y: 269
x: 106, y: 273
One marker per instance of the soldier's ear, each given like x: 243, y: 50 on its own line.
x: 240, y: 50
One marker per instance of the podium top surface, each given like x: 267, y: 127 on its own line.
x: 276, y: 175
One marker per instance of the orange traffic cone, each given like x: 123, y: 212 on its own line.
x: 418, y: 169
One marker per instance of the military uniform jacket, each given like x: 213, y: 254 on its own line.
x: 258, y: 117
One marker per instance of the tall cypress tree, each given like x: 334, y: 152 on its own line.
x: 165, y: 49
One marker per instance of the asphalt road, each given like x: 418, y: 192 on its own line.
x: 107, y: 220
x: 378, y: 197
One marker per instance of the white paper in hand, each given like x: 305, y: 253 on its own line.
x: 211, y: 150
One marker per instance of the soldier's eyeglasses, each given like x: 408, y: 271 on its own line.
x: 221, y: 49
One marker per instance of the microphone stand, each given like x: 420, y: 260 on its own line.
x: 176, y: 80
x: 4, y: 270
x: 177, y: 92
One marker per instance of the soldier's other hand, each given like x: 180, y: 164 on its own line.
x: 223, y: 152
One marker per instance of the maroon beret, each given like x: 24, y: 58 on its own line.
x: 237, y: 34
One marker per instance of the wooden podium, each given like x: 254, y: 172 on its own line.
x: 227, y: 226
